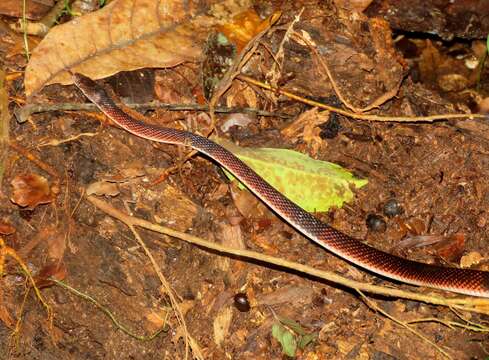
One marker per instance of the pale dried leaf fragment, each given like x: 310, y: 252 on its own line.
x: 124, y: 35
x: 221, y: 325
x: 30, y: 190
x: 470, y: 259
x: 100, y: 188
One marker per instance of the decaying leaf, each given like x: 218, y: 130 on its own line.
x: 100, y: 188
x: 30, y: 190
x: 6, y: 228
x: 123, y: 35
x: 312, y: 184
x: 56, y: 270
x: 34, y: 10
x: 221, y: 324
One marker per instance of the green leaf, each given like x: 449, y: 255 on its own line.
x: 306, y: 340
x: 292, y: 325
x: 487, y: 41
x: 312, y: 184
x: 285, y: 338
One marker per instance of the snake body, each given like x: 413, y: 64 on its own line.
x: 464, y: 281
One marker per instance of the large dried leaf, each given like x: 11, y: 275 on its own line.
x: 124, y: 35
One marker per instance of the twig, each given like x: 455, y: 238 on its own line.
x: 4, y: 122
x: 273, y: 73
x: 451, y: 324
x: 170, y: 292
x: 8, y: 251
x: 57, y: 142
x: 22, y: 114
x: 36, y: 160
x: 429, y: 118
x: 107, y: 312
x: 243, y: 57
x: 24, y: 30
x: 466, y: 304
x: 375, y: 103
x: 197, y: 353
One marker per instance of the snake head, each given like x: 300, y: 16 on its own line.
x: 90, y: 88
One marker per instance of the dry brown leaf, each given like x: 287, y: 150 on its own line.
x: 156, y: 319
x: 34, y: 10
x: 100, y: 188
x: 124, y: 35
x: 56, y: 270
x: 356, y: 5
x: 292, y: 294
x: 6, y: 228
x: 452, y: 247
x: 30, y: 190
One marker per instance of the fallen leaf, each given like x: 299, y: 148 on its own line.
x: 355, y: 5
x: 156, y: 319
x: 285, y: 338
x: 312, y: 184
x: 248, y: 205
x: 56, y: 270
x: 30, y: 190
x: 119, y: 37
x: 306, y: 126
x: 470, y: 259
x: 100, y: 188
x: 290, y: 294
x: 221, y: 325
x: 452, y: 248
x: 34, y: 9
x: 6, y: 228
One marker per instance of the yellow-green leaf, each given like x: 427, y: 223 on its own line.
x: 285, y: 338
x: 312, y: 184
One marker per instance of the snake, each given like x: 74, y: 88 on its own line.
x: 463, y: 281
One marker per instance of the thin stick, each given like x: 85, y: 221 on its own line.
x: 22, y: 114
x: 107, y: 312
x: 430, y: 118
x: 477, y: 305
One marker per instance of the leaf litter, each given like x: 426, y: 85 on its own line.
x: 331, y: 54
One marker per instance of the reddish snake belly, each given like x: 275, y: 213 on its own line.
x: 464, y: 281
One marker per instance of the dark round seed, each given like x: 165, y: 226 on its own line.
x: 376, y: 223
x: 392, y: 208
x: 241, y: 302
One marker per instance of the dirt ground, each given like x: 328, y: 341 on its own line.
x: 427, y: 197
